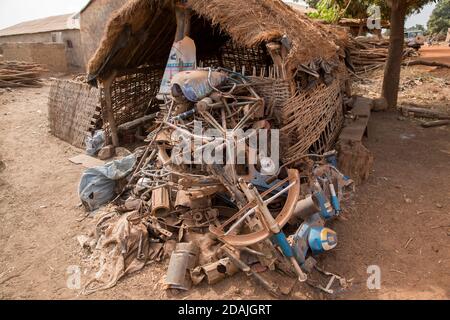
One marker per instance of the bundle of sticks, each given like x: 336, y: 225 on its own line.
x: 14, y: 74
x: 369, y: 53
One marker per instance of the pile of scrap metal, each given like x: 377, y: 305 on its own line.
x: 196, y: 196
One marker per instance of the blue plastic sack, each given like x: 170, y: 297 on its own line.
x: 97, y: 184
x: 95, y: 143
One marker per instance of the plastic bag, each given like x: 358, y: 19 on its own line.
x: 97, y: 184
x: 182, y: 57
x: 95, y: 143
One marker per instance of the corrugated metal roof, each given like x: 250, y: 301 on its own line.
x: 55, y: 23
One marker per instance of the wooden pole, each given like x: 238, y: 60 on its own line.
x: 181, y: 21
x: 436, y: 123
x: 107, y: 83
x: 274, y: 50
x: 187, y: 22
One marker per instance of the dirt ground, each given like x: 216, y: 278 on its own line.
x: 398, y: 220
x: 436, y: 53
x: 420, y: 85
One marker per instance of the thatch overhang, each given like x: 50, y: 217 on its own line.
x: 142, y: 32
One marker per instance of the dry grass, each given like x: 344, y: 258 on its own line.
x: 151, y: 25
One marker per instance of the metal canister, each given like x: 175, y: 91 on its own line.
x: 184, y: 258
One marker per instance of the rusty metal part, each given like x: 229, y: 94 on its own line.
x: 184, y: 199
x: 184, y: 258
x: 249, y: 205
x: 234, y: 257
x: 160, y: 202
x: 156, y: 227
x: 200, y: 218
x: 261, y: 208
x: 219, y: 270
x: 306, y: 207
x: 245, y: 240
x: 342, y: 281
x: 164, y: 136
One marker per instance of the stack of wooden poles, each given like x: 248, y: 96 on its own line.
x: 371, y: 53
x: 15, y: 74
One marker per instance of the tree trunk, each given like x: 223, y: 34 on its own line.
x: 391, y: 79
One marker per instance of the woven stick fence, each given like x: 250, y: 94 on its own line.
x: 311, y: 120
x: 73, y: 110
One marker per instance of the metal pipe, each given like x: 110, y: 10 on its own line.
x: 248, y: 213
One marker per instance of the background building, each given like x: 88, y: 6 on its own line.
x: 93, y: 19
x: 53, y: 41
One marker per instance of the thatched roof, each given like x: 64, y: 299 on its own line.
x: 142, y: 31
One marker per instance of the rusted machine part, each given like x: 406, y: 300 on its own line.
x: 184, y: 199
x: 218, y: 270
x: 305, y: 208
x: 244, y: 210
x: 184, y: 258
x: 160, y: 202
x: 234, y: 257
x: 164, y: 136
x: 245, y: 240
x: 163, y: 156
x: 197, y: 187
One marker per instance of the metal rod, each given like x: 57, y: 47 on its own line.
x: 268, y: 201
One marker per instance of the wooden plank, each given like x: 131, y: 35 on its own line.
x: 355, y: 130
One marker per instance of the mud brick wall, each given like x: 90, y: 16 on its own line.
x: 51, y: 55
x: 93, y: 22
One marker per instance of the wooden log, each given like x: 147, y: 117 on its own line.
x: 425, y: 113
x: 426, y: 63
x: 180, y: 15
x: 137, y: 122
x: 109, y: 111
x: 436, y: 123
x: 354, y: 160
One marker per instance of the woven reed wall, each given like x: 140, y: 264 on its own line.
x: 252, y: 60
x: 133, y: 93
x: 73, y: 110
x: 275, y: 92
x: 311, y: 120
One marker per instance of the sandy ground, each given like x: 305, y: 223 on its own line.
x: 420, y: 85
x: 398, y: 220
x: 436, y: 53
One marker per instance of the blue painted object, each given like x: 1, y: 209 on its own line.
x: 321, y: 239
x: 332, y: 159
x: 184, y: 115
x: 300, y: 246
x: 326, y: 209
x: 335, y: 204
x: 334, y: 199
x: 259, y: 180
x: 281, y: 241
